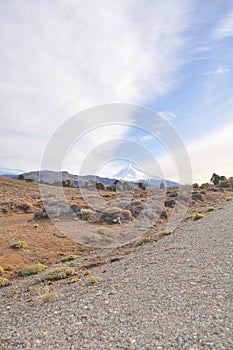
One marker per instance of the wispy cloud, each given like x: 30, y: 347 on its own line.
x: 225, y: 27
x: 58, y: 60
x: 168, y: 115
x: 219, y: 70
x: 208, y: 154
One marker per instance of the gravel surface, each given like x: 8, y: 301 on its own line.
x: 172, y: 294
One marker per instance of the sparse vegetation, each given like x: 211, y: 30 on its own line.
x: 165, y: 233
x: 215, y: 179
x: 195, y: 185
x: 48, y: 295
x: 86, y: 213
x: 209, y: 209
x: 20, y: 245
x: 92, y: 280
x: 1, y: 270
x: 105, y: 232
x: 33, y: 269
x: 3, y: 281
x: 21, y: 177
x: 70, y: 257
x: 224, y: 183
x: 198, y: 216
x: 58, y: 273
x: 95, y: 238
x: 144, y: 239
x: 205, y: 186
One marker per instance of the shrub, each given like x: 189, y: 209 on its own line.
x: 198, y: 216
x: 105, y: 232
x: 21, y: 177
x: 1, y: 270
x: 3, y: 281
x: 58, y: 273
x: 165, y: 233
x: 209, y: 209
x: 195, y: 185
x: 205, y: 185
x: 224, y: 183
x: 48, y: 295
x: 100, y: 186
x: 70, y: 257
x: 92, y: 280
x: 86, y: 213
x: 143, y: 240
x: 231, y: 180
x: 95, y: 238
x: 33, y: 269
x: 20, y: 245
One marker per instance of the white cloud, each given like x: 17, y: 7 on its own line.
x: 219, y: 70
x: 225, y: 27
x: 168, y: 115
x: 59, y: 58
x: 209, y: 154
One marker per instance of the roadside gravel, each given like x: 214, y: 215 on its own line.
x: 172, y: 294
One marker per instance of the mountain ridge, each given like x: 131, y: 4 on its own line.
x: 51, y: 177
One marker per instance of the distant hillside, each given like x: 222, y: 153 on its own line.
x: 51, y: 177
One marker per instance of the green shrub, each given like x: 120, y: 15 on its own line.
x: 225, y: 184
x: 3, y: 281
x: 58, y: 273
x: 92, y: 280
x: 195, y: 185
x: 33, y: 269
x: 86, y: 213
x: 1, y: 270
x: 209, y: 209
x: 105, y: 232
x: 48, y: 295
x: 70, y: 257
x: 198, y: 216
x: 95, y: 238
x: 144, y: 239
x: 165, y: 233
x: 205, y: 185
x: 20, y: 245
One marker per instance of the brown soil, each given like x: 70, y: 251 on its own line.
x: 46, y: 244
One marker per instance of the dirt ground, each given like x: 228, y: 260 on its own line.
x: 19, y: 200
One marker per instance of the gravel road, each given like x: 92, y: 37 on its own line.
x: 172, y: 294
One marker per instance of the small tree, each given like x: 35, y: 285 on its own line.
x: 162, y: 186
x: 100, y: 186
x: 195, y: 185
x: 21, y: 177
x: 215, y: 179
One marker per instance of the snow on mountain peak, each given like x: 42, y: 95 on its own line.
x: 131, y: 173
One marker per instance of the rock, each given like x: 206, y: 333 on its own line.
x: 163, y: 215
x: 197, y: 196
x: 170, y: 203
x: 135, y: 207
x: 115, y: 215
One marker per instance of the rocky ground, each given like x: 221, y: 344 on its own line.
x: 169, y: 293
x: 49, y: 241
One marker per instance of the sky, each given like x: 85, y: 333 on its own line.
x: 59, y: 58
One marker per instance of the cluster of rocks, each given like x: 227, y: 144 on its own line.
x: 116, y: 215
x: 56, y: 209
x: 8, y: 207
x: 124, y: 212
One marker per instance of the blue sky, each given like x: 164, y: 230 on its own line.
x: 174, y: 57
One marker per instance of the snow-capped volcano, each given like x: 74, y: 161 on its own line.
x: 131, y: 173
x: 134, y: 174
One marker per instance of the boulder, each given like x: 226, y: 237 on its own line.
x: 170, y: 203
